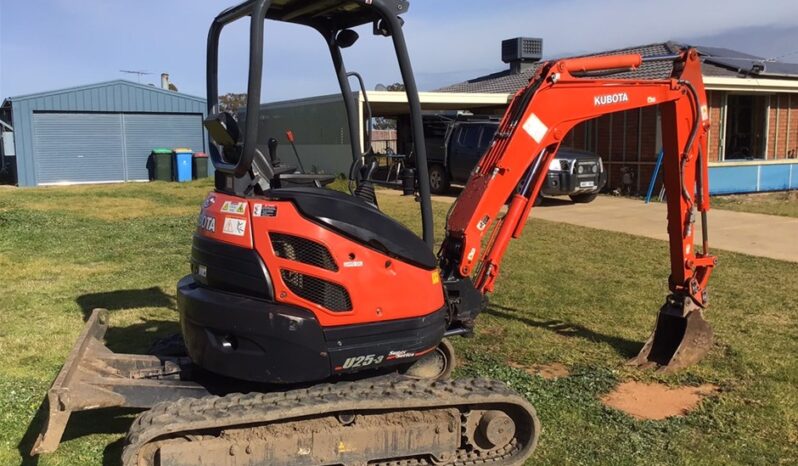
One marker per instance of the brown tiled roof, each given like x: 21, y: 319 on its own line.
x: 505, y: 82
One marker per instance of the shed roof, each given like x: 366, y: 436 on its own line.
x: 717, y: 62
x: 100, y: 85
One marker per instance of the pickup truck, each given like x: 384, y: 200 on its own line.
x: 455, y: 146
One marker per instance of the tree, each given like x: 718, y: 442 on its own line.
x: 232, y: 103
x: 396, y: 87
x: 383, y: 123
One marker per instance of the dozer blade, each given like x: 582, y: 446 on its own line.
x: 680, y: 338
x: 94, y: 377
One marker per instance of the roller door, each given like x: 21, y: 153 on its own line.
x: 143, y: 132
x: 106, y: 147
x: 78, y: 147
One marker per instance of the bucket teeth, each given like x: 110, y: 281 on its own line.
x: 680, y: 338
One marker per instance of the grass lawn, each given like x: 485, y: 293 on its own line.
x: 783, y: 203
x: 584, y: 298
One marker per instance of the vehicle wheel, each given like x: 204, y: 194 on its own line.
x: 438, y: 179
x: 583, y: 198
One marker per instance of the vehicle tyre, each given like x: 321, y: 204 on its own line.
x: 583, y: 198
x: 438, y: 179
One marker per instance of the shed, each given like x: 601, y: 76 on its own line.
x: 100, y: 132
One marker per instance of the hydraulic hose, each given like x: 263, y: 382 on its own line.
x: 691, y: 139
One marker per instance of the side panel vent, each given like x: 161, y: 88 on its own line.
x: 302, y: 250
x: 330, y: 295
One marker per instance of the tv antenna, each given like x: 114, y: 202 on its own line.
x: 138, y: 74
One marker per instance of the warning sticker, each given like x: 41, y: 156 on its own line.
x: 231, y: 207
x: 235, y: 226
x: 535, y: 128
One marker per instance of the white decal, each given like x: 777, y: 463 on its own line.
x: 610, y: 99
x: 235, y: 226
x: 202, y: 271
x: 353, y: 264
x: 361, y: 361
x: 483, y: 223
x: 704, y: 113
x: 471, y: 254
x: 207, y: 223
x: 400, y: 354
x: 260, y: 210
x: 234, y: 207
x: 535, y: 128
x: 651, y: 100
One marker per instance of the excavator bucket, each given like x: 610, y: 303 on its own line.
x: 680, y: 338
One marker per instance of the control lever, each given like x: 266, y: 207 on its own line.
x: 273, y: 151
x: 290, y: 136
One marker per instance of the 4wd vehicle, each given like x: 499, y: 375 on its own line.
x: 455, y: 146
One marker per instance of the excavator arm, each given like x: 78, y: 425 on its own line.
x: 561, y: 95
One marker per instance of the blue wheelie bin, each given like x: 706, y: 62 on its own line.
x: 183, y: 159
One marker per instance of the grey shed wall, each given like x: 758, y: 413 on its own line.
x: 110, y: 97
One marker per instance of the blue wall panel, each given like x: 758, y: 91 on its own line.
x: 736, y: 179
x: 774, y: 177
x: 752, y: 178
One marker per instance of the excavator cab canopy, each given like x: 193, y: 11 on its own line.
x: 240, y: 167
x: 334, y: 14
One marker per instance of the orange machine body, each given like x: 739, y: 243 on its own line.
x: 381, y: 288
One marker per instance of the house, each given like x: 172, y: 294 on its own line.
x: 753, y: 137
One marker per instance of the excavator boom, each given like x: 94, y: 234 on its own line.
x: 561, y: 95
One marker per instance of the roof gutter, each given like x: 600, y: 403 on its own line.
x: 717, y: 83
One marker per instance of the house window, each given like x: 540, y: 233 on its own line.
x: 746, y: 127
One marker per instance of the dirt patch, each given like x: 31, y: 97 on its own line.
x: 551, y: 371
x: 656, y: 401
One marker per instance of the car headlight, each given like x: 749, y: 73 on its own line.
x: 580, y: 169
x: 558, y: 165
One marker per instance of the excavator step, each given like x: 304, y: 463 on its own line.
x: 396, y: 421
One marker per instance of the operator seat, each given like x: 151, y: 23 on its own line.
x: 359, y: 221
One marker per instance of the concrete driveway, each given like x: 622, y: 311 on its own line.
x: 754, y: 234
x: 769, y: 236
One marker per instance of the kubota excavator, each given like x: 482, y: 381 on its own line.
x: 294, y: 285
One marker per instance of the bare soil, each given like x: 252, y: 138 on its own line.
x: 656, y: 401
x: 552, y: 371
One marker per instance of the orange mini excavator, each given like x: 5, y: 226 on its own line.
x: 331, y: 318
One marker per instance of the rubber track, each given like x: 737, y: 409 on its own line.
x: 191, y: 415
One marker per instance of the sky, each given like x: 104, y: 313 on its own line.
x: 52, y: 44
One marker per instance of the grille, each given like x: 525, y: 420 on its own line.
x: 586, y: 168
x: 333, y: 297
x: 302, y: 250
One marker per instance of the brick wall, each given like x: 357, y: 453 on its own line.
x: 629, y: 139
x: 715, y: 99
x: 782, y: 128
x: 624, y: 140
